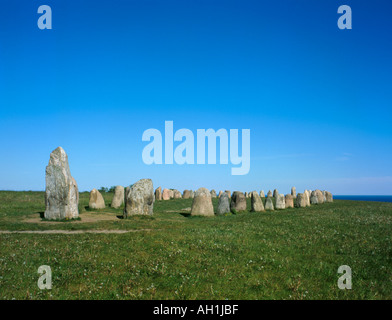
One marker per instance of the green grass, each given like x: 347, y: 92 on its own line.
x: 289, y: 254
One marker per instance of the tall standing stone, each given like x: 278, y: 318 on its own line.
x: 228, y: 193
x: 293, y: 192
x: 269, y: 194
x: 213, y: 193
x: 166, y: 194
x: 61, y: 193
x: 328, y: 196
x: 280, y: 202
x: 276, y: 193
x: 256, y: 203
x: 269, y: 205
x: 262, y: 195
x: 223, y: 204
x: 171, y: 192
x: 220, y: 193
x: 118, y: 197
x: 238, y: 201
x: 186, y: 194
x: 301, y: 201
x: 96, y: 200
x: 202, y: 203
x: 158, y: 194
x: 307, y: 198
x: 289, y: 201
x: 139, y: 199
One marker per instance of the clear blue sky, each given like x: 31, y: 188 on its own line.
x: 318, y: 100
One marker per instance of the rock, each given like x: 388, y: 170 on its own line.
x: 316, y: 197
x: 213, y: 193
x: 192, y: 194
x: 171, y: 192
x: 269, y: 194
x: 280, y: 202
x: 158, y: 194
x: 220, y: 193
x: 276, y: 193
x: 186, y: 194
x: 166, y: 194
x: 301, y: 200
x: 324, y: 197
x: 223, y: 204
x: 177, y: 194
x: 228, y: 193
x: 139, y: 199
x: 269, y: 205
x: 256, y: 203
x: 307, y: 198
x: 328, y: 196
x: 246, y: 195
x: 238, y: 201
x: 202, y: 204
x: 293, y: 192
x: 96, y: 200
x: 61, y: 193
x: 262, y: 195
x: 289, y: 201
x: 118, y: 197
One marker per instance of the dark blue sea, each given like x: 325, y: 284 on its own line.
x: 365, y: 198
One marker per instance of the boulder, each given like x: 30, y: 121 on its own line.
x: 61, y: 193
x: 139, y: 199
x: 316, y: 197
x: 328, y: 196
x: 202, y: 204
x: 276, y: 193
x: 280, y: 202
x: 192, y: 194
x: 158, y: 194
x: 228, y: 193
x: 223, y: 204
x: 171, y: 192
x: 238, y: 201
x: 269, y: 194
x: 301, y: 201
x: 118, y: 197
x: 220, y: 193
x: 289, y: 201
x: 166, y: 194
x: 324, y: 197
x: 269, y: 205
x: 293, y: 192
x: 256, y: 203
x: 177, y: 194
x: 96, y: 200
x: 262, y: 195
x: 213, y: 193
x: 307, y: 198
x: 186, y: 194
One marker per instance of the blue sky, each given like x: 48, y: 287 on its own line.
x: 317, y: 99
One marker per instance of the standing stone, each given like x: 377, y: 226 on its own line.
x: 269, y: 194
x: 202, y: 204
x: 213, y: 193
x: 96, y: 200
x: 166, y: 194
x: 192, y: 194
x: 139, y: 199
x: 289, y: 201
x: 61, y: 193
x: 269, y: 205
x: 316, y: 197
x: 324, y: 197
x: 171, y: 193
x: 177, y: 194
x: 301, y: 201
x: 228, y: 193
x: 186, y: 194
x: 220, y: 193
x: 256, y: 203
x: 293, y: 192
x: 328, y: 196
x: 262, y: 195
x: 158, y: 194
x: 238, y: 201
x: 307, y: 198
x: 246, y: 195
x: 276, y: 193
x: 280, y: 202
x: 118, y: 197
x: 223, y: 204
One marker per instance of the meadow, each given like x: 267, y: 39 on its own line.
x: 289, y: 254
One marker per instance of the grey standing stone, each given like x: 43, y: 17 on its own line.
x: 223, y: 204
x: 202, y: 203
x: 186, y: 194
x: 280, y: 202
x: 139, y: 199
x: 276, y: 193
x: 118, y: 197
x: 228, y: 193
x: 220, y: 193
x: 256, y: 203
x: 269, y: 205
x: 289, y: 201
x: 301, y: 200
x: 96, y: 200
x: 213, y: 193
x: 238, y: 201
x: 61, y: 193
x: 293, y: 192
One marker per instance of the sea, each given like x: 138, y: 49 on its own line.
x: 364, y: 198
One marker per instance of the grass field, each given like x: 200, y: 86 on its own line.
x: 289, y: 254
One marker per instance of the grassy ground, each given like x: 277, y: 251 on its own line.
x: 289, y: 254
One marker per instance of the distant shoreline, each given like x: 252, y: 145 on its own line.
x: 363, y: 198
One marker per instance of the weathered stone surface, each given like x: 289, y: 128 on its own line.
x: 166, y: 194
x: 262, y: 195
x: 324, y: 197
x: 223, y: 204
x: 171, y: 192
x: 289, y: 201
x: 307, y: 198
x: 293, y: 192
x: 246, y: 195
x: 328, y: 196
x: 139, y: 199
x: 192, y: 194
x: 269, y: 205
x: 301, y: 200
x: 220, y: 193
x: 177, y: 194
x: 61, y: 193
x: 202, y: 204
x: 228, y: 193
x: 269, y: 194
x: 238, y: 201
x: 96, y: 200
x: 213, y: 193
x: 158, y: 194
x: 280, y: 202
x: 276, y: 193
x: 186, y: 194
x: 118, y: 197
x: 256, y: 203
x: 316, y: 197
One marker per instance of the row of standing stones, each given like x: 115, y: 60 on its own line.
x: 62, y: 196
